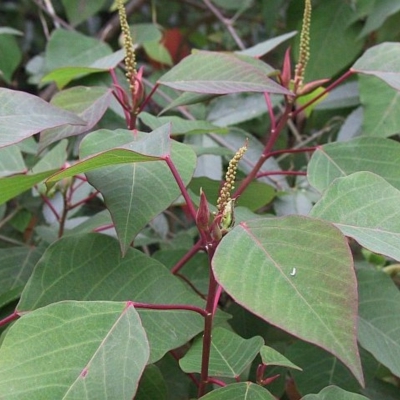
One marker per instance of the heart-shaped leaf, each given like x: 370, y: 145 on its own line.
x: 296, y: 273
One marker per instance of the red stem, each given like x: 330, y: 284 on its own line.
x: 9, y: 319
x: 270, y: 110
x: 328, y: 89
x: 48, y: 203
x: 267, y: 150
x: 147, y: 99
x: 198, y: 310
x: 281, y: 173
x: 85, y: 200
x: 194, y: 249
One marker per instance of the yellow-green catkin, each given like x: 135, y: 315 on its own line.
x: 130, y: 59
x: 304, y: 53
x: 225, y: 193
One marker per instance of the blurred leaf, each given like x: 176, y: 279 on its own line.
x: 265, y: 47
x: 81, y: 51
x: 180, y: 126
x: 22, y: 115
x: 158, y: 52
x: 333, y: 45
x: 256, y: 195
x: 371, y: 217
x: 230, y: 354
x: 80, y: 10
x: 10, y: 56
x: 239, y: 391
x: 219, y: 73
x: 145, y: 32
x: 378, y: 323
x: 89, y: 103
x: 95, y: 270
x: 11, y: 161
x: 382, y: 10
x: 236, y: 108
x: 6, y: 30
x: 352, y: 126
x: 63, y: 75
x: 336, y: 160
x: 103, y: 354
x: 53, y: 159
x: 284, y: 262
x: 382, y: 61
x: 345, y: 95
x: 334, y: 393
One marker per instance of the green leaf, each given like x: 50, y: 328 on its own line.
x: 230, y: 354
x: 334, y: 393
x: 74, y: 350
x: 319, y: 369
x: 10, y: 57
x: 95, y: 270
x: 63, y: 75
x: 22, y: 115
x: 180, y: 126
x: 219, y: 73
x: 382, y: 10
x: 236, y: 108
x: 125, y: 154
x: 16, y: 267
x: 381, y: 104
x: 53, y: 159
x: 145, y: 32
x: 364, y: 206
x: 270, y: 356
x: 80, y: 10
x: 239, y: 391
x: 340, y: 159
x: 280, y: 269
x: 14, y: 185
x: 142, y: 190
x: 6, y: 30
x: 260, y: 49
x: 333, y: 44
x: 89, y: 103
x: 256, y: 195
x: 11, y: 161
x: 152, y: 385
x: 382, y: 61
x: 81, y: 50
x: 158, y: 52
x: 378, y: 323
